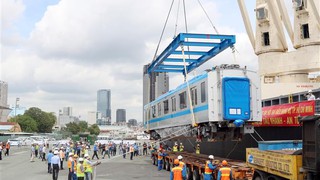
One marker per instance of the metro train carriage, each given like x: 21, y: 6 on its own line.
x: 224, y: 102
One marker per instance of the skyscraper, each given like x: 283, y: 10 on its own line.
x: 4, y: 107
x: 121, y: 116
x: 154, y: 84
x: 104, y: 105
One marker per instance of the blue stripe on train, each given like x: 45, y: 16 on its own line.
x: 182, y: 113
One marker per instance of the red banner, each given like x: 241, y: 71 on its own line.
x: 286, y: 114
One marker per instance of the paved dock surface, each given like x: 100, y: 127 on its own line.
x: 18, y: 166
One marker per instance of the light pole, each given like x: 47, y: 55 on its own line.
x: 15, y: 108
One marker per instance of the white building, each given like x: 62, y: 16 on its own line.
x: 92, y: 117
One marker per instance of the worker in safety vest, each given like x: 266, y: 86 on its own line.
x: 175, y: 147
x: 88, y: 167
x: 80, y: 169
x: 69, y: 164
x: 7, y: 149
x: 209, y: 168
x: 181, y: 147
x: 225, y: 172
x: 161, y: 154
x: 74, y: 167
x: 62, y: 156
x: 182, y: 164
x: 198, y: 149
x: 177, y: 173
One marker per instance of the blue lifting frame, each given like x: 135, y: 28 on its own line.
x: 171, y: 59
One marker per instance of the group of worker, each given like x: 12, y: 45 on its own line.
x: 78, y: 168
x: 179, y: 170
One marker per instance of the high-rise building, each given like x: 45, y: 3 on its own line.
x: 4, y: 107
x: 132, y: 122
x: 121, y: 116
x: 104, y: 105
x: 154, y: 84
x: 92, y: 117
x: 67, y: 111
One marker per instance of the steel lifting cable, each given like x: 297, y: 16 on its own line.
x: 194, y: 124
x: 177, y: 19
x: 233, y: 49
x: 164, y: 27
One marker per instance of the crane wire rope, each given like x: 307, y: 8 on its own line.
x: 164, y: 27
x: 233, y: 49
x: 194, y: 124
x: 177, y: 19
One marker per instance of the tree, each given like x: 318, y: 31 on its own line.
x: 83, y: 125
x: 72, y: 127
x: 45, y: 121
x: 26, y: 123
x: 94, y: 129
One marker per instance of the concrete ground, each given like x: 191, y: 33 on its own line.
x: 18, y: 166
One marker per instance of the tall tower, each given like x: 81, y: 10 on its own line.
x: 4, y: 107
x: 121, y: 116
x: 104, y: 105
x: 154, y: 85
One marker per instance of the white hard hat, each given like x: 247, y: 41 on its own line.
x: 310, y: 91
x: 86, y: 155
x: 56, y: 152
x: 80, y: 159
x: 87, y: 147
x: 211, y: 157
x: 180, y: 157
x: 70, y: 154
x: 176, y: 143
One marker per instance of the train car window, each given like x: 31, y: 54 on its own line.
x: 149, y: 114
x: 154, y: 111
x: 173, y: 101
x: 194, y: 96
x: 203, y: 92
x: 165, y: 106
x: 182, y: 97
x: 159, y: 109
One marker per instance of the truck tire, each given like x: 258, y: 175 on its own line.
x: 259, y: 175
x: 196, y: 175
x: 189, y: 173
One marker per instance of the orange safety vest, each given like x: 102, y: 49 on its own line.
x: 160, y: 157
x: 225, y: 173
x: 75, y: 166
x: 7, y: 146
x: 207, y: 170
x: 177, y: 173
x: 70, y: 162
x: 181, y: 164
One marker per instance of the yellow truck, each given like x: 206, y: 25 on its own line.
x: 275, y: 164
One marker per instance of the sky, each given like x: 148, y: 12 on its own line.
x: 57, y: 54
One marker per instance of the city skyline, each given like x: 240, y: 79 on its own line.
x: 50, y: 64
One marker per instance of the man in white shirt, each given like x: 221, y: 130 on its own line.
x: 55, y: 162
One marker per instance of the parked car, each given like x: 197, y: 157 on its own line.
x: 15, y: 142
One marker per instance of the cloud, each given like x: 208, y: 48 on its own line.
x: 11, y: 11
x: 79, y: 47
